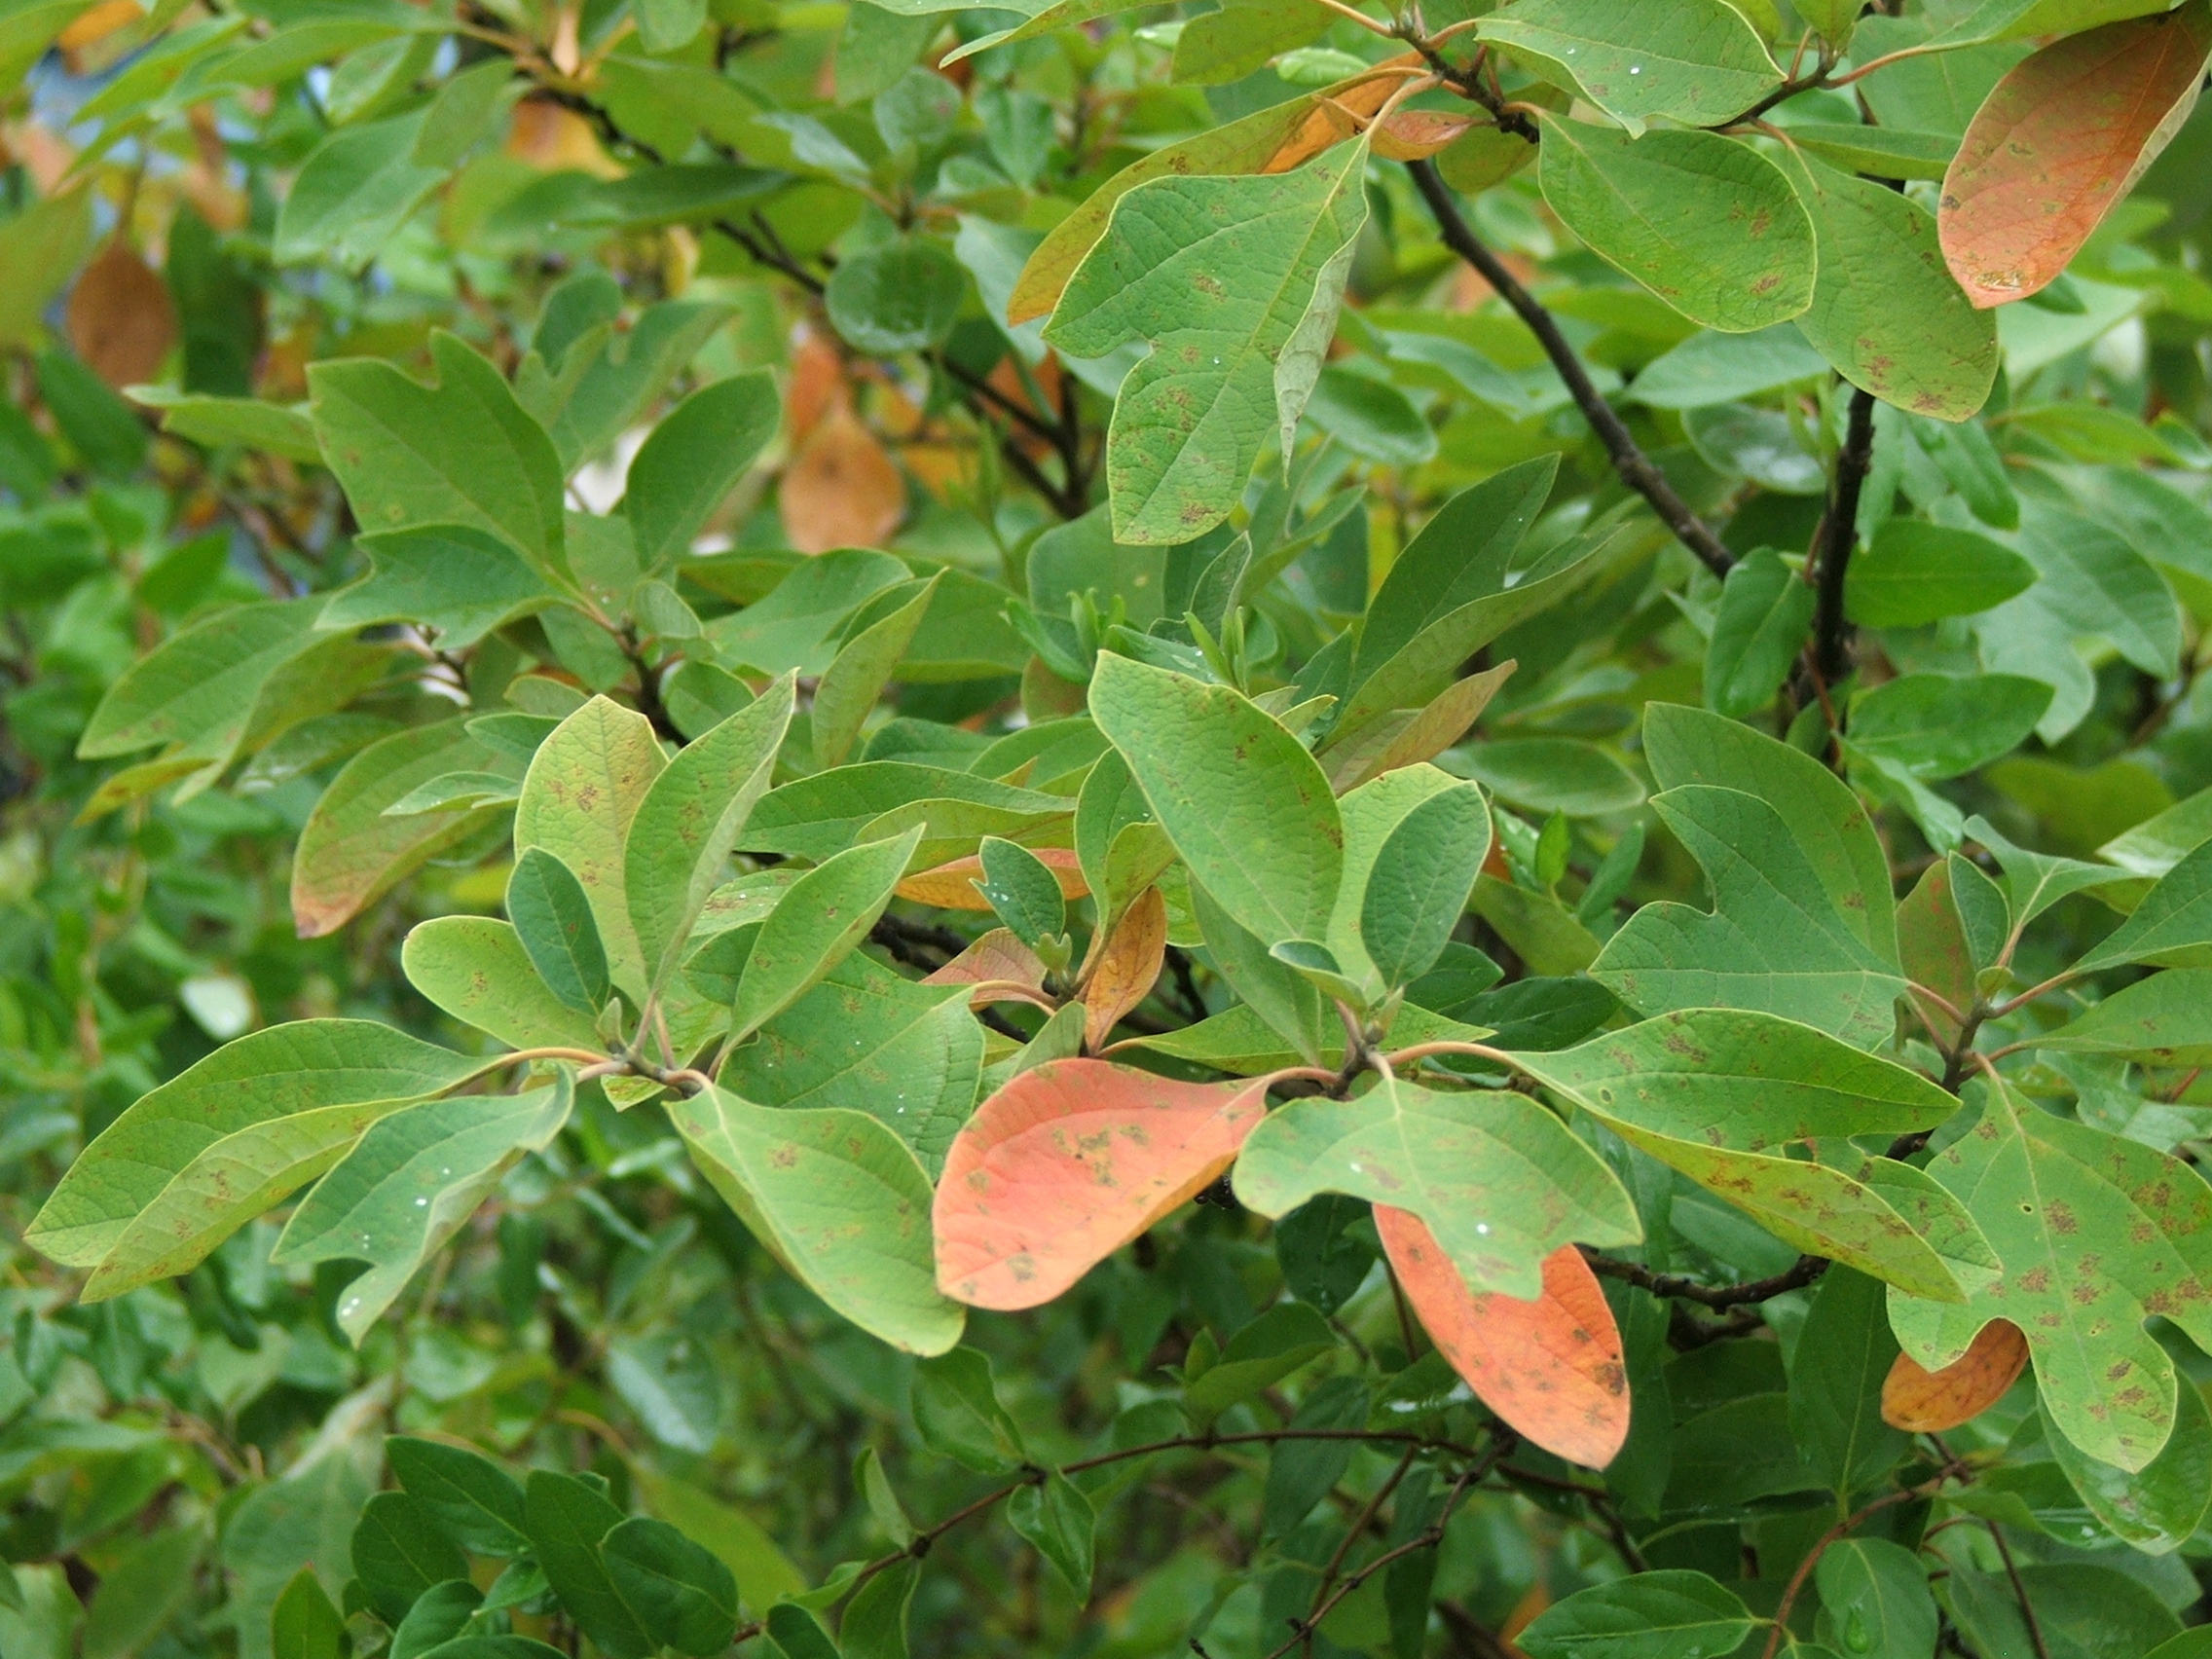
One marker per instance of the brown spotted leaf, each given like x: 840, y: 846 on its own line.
x: 1126, y: 969
x: 1068, y: 1162
x: 1552, y: 1368
x: 1928, y: 1402
x: 2095, y: 1235
x: 995, y: 964
x: 2060, y: 142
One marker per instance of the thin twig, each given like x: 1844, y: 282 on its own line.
x: 1839, y: 535
x: 1719, y: 1297
x: 1636, y: 469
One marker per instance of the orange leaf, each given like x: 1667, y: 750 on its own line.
x: 817, y: 386
x: 1415, y: 135
x: 96, y: 25
x: 997, y: 959
x: 1928, y: 1402
x: 951, y: 886
x: 2060, y: 142
x: 1068, y: 1162
x: 1337, y: 116
x: 842, y: 489
x: 1126, y: 970
x: 120, y: 321
x: 1552, y: 1368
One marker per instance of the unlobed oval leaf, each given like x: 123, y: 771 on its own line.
x: 1068, y: 1162
x: 1551, y: 1367
x: 2060, y: 143
x: 1932, y: 1402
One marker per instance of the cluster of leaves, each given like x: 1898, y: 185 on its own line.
x: 1401, y: 821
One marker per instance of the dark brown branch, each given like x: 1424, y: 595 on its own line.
x: 1636, y: 469
x: 768, y: 250
x: 1715, y: 1296
x: 1839, y: 535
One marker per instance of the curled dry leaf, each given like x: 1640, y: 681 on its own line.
x: 841, y: 489
x: 1126, y: 969
x: 1415, y: 135
x: 1336, y: 117
x: 1552, y: 1368
x: 1928, y: 1402
x: 995, y: 961
x: 120, y: 319
x: 953, y: 886
x: 2060, y: 142
x: 1068, y: 1162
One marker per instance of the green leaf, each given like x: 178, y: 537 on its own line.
x: 1879, y: 152
x: 1192, y: 416
x: 1055, y: 1515
x: 2095, y: 1235
x: 1874, y: 1598
x: 826, y: 912
x: 1938, y: 725
x: 763, y: 1572
x: 1695, y: 61
x: 1219, y: 47
x: 1774, y: 941
x: 2098, y: 583
x: 584, y: 787
x: 2035, y: 881
x: 461, y: 452
x: 1718, y: 1094
x: 1915, y: 573
x: 306, y: 1069
x: 2158, y: 1508
x: 606, y: 380
x: 472, y: 1500
x: 853, y: 684
x: 901, y: 296
x: 354, y: 191
x: 1886, y: 309
x: 438, y: 1616
x: 476, y: 967
x: 868, y: 1039
x: 1458, y: 586
x: 813, y: 818
x: 148, y: 1583
x: 552, y: 919
x: 1836, y: 1387
x: 247, y: 423
x: 199, y: 687
x: 103, y: 429
x: 1245, y: 805
x: 2171, y: 928
x: 841, y: 1202
x: 350, y: 852
x: 1261, y: 1354
x: 1765, y: 617
x: 1708, y: 224
x: 1416, y: 888
x: 410, y: 1184
x: 681, y: 1593
x: 670, y: 25
x: 679, y: 840
x: 1021, y: 890
x: 567, y: 1521
x: 399, y: 1552
x: 1498, y: 1180
x: 956, y: 1408
x: 694, y: 457
x: 874, y: 1624
x: 2165, y: 1020
x: 460, y: 582
x: 1668, y: 1614
x: 2022, y: 20
x: 304, y: 1625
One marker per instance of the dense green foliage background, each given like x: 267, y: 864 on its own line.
x: 392, y: 386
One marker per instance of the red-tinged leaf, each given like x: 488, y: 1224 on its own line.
x: 1552, y: 1368
x: 1068, y: 1162
x: 1336, y: 117
x: 2060, y: 142
x: 953, y: 886
x: 1126, y: 969
x: 995, y: 963
x: 1928, y: 1402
